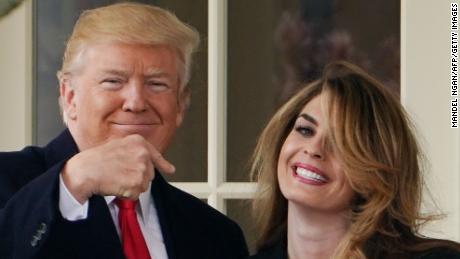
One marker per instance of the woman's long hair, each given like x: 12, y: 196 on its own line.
x: 372, y: 136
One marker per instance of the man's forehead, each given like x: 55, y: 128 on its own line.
x: 123, y: 59
x: 124, y: 71
x: 119, y: 50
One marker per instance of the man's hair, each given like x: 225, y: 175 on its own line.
x: 132, y: 23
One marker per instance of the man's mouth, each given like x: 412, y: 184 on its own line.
x: 135, y: 128
x: 134, y: 123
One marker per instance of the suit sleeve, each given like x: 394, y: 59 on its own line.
x: 27, y: 214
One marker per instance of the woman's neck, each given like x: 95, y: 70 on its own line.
x: 313, y: 234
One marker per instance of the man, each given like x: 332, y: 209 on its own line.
x: 95, y: 191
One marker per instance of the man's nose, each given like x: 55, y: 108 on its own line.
x: 134, y: 98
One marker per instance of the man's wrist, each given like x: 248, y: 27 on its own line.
x: 76, y: 183
x: 70, y: 208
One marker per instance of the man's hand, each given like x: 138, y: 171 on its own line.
x: 122, y: 167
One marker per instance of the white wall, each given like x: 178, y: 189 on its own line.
x: 15, y: 78
x: 425, y: 49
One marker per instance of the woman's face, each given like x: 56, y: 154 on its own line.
x: 309, y: 174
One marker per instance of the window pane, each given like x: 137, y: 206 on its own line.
x: 54, y: 22
x: 275, y: 46
x: 189, y: 149
x: 240, y: 212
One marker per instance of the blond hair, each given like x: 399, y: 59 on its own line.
x: 132, y: 23
x: 372, y: 136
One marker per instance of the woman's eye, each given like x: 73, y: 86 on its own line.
x: 305, y: 131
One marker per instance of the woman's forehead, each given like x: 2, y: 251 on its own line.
x: 316, y: 107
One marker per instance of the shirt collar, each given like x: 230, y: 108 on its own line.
x: 145, y: 199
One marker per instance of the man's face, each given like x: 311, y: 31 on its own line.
x: 123, y: 89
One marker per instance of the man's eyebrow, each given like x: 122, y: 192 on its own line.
x: 116, y: 72
x: 149, y: 74
x: 156, y: 73
x: 308, y: 118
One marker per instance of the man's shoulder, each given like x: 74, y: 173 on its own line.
x: 58, y: 149
x: 17, y: 168
x: 193, y: 223
x: 30, y: 156
x: 197, y: 208
x: 196, y: 213
x: 275, y: 251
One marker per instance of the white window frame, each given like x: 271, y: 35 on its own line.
x: 216, y: 190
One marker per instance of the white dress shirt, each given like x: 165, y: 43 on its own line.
x: 146, y: 212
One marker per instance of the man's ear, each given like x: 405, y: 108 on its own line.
x: 179, y: 118
x: 67, y: 99
x: 184, y: 102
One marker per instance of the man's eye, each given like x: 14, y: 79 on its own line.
x: 305, y: 131
x: 112, y: 83
x: 158, y: 86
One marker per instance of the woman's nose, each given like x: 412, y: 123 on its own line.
x: 315, y: 149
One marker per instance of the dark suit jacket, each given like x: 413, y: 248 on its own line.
x: 31, y: 225
x: 277, y: 251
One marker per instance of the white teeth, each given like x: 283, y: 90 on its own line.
x: 304, y: 173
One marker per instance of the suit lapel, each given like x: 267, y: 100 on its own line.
x: 102, y: 230
x: 179, y: 224
x: 96, y: 237
x: 159, y: 193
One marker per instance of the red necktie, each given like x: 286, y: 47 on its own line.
x: 134, y: 246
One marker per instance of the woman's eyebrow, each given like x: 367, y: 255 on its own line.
x: 308, y: 118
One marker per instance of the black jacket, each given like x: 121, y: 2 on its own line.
x: 279, y: 251
x: 31, y: 225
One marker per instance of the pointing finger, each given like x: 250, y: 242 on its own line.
x: 159, y: 161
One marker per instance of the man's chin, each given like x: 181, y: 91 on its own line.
x: 131, y: 129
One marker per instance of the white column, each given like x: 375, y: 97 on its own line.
x: 425, y: 83
x: 16, y: 78
x: 217, y: 102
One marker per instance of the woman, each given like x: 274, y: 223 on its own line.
x: 339, y: 175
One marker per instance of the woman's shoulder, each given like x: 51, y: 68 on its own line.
x: 440, y: 253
